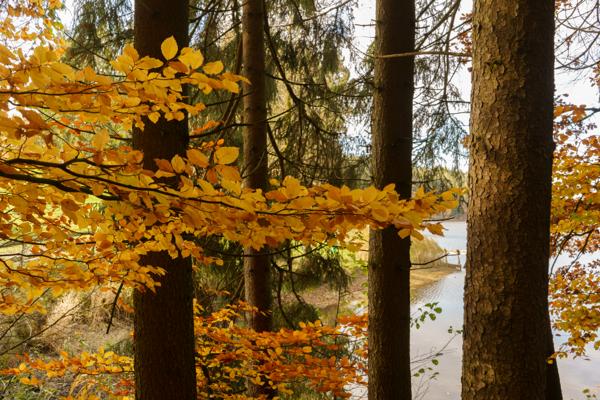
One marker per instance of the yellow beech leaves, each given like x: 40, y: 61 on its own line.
x: 169, y: 48
x: 575, y: 228
x: 78, y: 210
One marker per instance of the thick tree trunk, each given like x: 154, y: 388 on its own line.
x: 506, y: 291
x: 389, y: 256
x: 257, y: 273
x: 164, y: 330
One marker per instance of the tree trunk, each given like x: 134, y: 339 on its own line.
x: 389, y: 256
x: 257, y: 274
x: 256, y: 271
x: 164, y: 329
x: 506, y: 290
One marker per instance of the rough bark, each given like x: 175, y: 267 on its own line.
x: 506, y: 290
x: 164, y: 330
x: 389, y: 256
x: 257, y: 274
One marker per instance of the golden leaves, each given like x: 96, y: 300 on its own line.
x: 197, y: 158
x: 380, y: 214
x: 101, y: 139
x: 191, y: 58
x: 72, y: 184
x: 213, y: 68
x: 169, y: 48
x: 226, y: 155
x: 310, y: 355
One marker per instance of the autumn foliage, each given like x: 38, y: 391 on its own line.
x: 575, y: 288
x: 79, y: 210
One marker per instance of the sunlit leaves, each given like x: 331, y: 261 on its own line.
x: 191, y: 58
x: 328, y: 360
x: 214, y: 68
x: 82, y: 209
x: 169, y: 48
x: 226, y: 155
x: 576, y: 228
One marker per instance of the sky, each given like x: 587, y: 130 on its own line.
x: 579, y: 88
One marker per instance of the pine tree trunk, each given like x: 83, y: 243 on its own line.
x: 389, y: 256
x: 506, y: 291
x: 257, y: 273
x: 164, y: 330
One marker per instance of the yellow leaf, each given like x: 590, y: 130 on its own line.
x: 389, y: 187
x: 380, y: 214
x: 404, y: 233
x: 231, y: 186
x: 178, y: 164
x: 436, y: 229
x: 417, y: 235
x: 131, y: 52
x: 230, y: 86
x: 154, y: 116
x: 229, y: 173
x: 369, y: 194
x: 192, y: 58
x: 226, y: 155
x: 213, y: 68
x: 169, y: 48
x: 448, y: 196
x: 149, y: 63
x: 100, y: 139
x: 197, y: 158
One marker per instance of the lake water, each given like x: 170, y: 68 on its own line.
x: 576, y: 375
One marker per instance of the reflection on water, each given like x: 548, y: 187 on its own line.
x: 448, y: 292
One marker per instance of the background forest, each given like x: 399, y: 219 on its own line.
x: 299, y: 199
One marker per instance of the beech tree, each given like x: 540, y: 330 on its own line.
x: 93, y: 212
x: 506, y: 331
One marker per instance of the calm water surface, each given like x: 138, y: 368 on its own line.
x: 576, y: 375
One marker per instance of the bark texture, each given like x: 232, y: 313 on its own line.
x: 164, y: 330
x: 389, y: 256
x: 257, y: 273
x: 256, y: 268
x: 506, y: 290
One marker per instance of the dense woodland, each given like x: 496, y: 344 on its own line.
x: 233, y: 199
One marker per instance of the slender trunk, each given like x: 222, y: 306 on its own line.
x: 164, y: 330
x: 506, y: 290
x: 257, y: 274
x: 389, y: 256
x: 257, y: 271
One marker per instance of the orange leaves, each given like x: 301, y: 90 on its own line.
x: 313, y: 355
x: 322, y: 358
x: 574, y: 301
x: 197, y: 158
x: 575, y: 227
x: 77, y: 201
